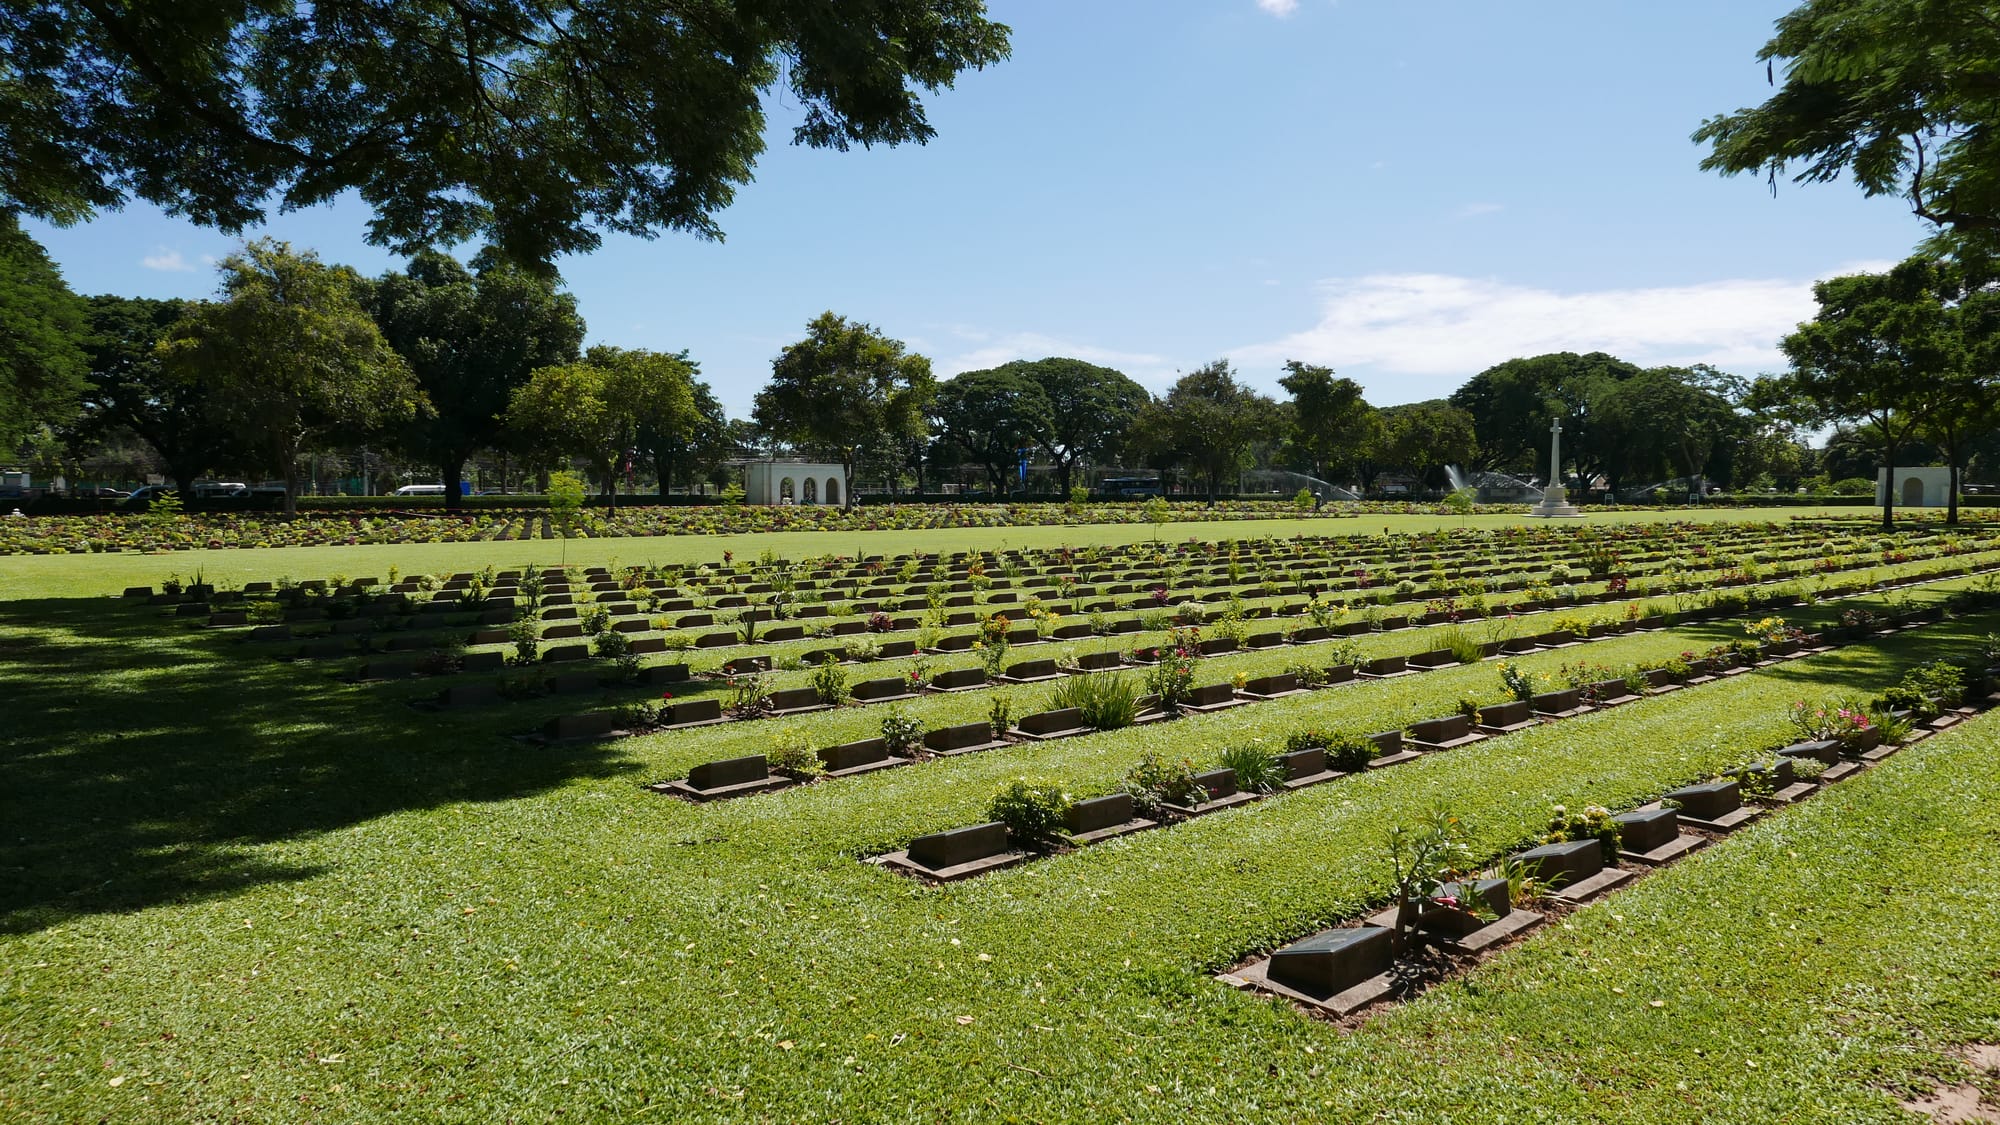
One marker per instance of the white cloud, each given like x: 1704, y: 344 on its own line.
x: 1279, y: 8
x: 1475, y: 210
x: 1437, y: 330
x: 166, y: 261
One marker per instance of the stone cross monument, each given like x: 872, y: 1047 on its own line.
x: 1555, y: 498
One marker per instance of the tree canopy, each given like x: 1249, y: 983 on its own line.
x: 599, y: 408
x: 1424, y: 437
x: 42, y: 362
x: 533, y: 125
x: 1333, y: 427
x: 1901, y: 95
x: 471, y: 339
x: 994, y: 416
x: 1212, y: 420
x: 844, y: 388
x: 1878, y: 352
x: 130, y: 388
x: 290, y: 357
x: 1091, y: 410
x: 1512, y: 404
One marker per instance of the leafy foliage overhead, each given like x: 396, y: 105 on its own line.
x: 41, y: 325
x: 1902, y: 95
x: 532, y: 124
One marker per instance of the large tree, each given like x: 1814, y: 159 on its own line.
x: 995, y: 416
x: 1512, y: 404
x: 844, y: 388
x: 131, y: 389
x: 1212, y: 422
x: 599, y: 408
x: 1091, y: 409
x: 1333, y: 427
x: 1900, y: 95
x: 532, y: 124
x: 1878, y: 354
x: 1673, y: 417
x: 1424, y: 437
x: 290, y: 357
x: 471, y: 339
x: 42, y: 361
x: 687, y: 448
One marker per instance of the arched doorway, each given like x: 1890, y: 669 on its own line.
x: 785, y: 491
x: 833, y: 490
x: 1913, y: 493
x: 809, y: 494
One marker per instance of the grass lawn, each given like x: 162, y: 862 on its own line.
x: 62, y: 576
x: 234, y: 889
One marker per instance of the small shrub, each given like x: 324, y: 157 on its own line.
x: 999, y: 715
x: 1172, y: 679
x: 525, y: 634
x: 1462, y: 646
x: 1108, y: 700
x: 902, y: 733
x: 1592, y: 822
x: 829, y: 682
x: 1841, y: 721
x: 610, y: 646
x: 1927, y: 690
x: 1349, y: 753
x: 639, y: 715
x: 793, y: 753
x: 749, y: 693
x: 1422, y: 859
x: 1033, y: 809
x: 1257, y: 767
x: 1153, y: 782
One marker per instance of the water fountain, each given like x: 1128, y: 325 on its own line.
x: 1288, y: 483
x: 1493, y: 488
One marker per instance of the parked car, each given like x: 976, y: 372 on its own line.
x: 143, y: 498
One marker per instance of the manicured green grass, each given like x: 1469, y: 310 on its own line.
x: 237, y: 889
x: 58, y: 576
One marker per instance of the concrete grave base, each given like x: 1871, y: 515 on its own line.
x: 1795, y: 792
x: 1595, y: 887
x: 1840, y: 771
x: 901, y: 863
x: 1373, y: 990
x: 1112, y: 832
x: 1667, y: 852
x: 1724, y: 824
x: 1395, y: 759
x: 1216, y: 804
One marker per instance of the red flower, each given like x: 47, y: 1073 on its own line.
x: 666, y: 695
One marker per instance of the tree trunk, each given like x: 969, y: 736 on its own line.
x: 453, y: 468
x: 184, y: 474
x: 1889, y: 487
x: 1062, y: 475
x: 847, y: 480
x: 1951, y: 460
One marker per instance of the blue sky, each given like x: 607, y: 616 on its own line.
x: 1408, y: 192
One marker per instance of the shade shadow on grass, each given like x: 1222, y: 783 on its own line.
x: 143, y: 763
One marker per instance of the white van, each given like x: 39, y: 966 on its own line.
x: 421, y: 490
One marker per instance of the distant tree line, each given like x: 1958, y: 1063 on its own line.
x: 445, y: 364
